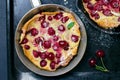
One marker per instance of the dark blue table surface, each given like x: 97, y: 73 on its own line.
x: 3, y: 47
x: 102, y: 41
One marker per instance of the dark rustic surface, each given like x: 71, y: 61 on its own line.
x: 3, y: 47
x: 96, y: 40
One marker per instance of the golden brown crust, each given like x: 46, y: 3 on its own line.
x: 104, y: 21
x: 67, y: 55
x: 67, y: 60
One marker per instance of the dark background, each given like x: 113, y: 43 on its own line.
x: 96, y: 40
x: 3, y: 47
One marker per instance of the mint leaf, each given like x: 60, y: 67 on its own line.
x: 101, y: 68
x: 70, y: 25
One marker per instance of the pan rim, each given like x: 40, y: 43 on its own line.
x: 83, y: 32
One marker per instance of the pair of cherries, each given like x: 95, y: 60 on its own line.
x: 92, y: 62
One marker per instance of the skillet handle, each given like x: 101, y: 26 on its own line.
x: 35, y: 3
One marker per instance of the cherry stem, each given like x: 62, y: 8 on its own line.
x: 103, y: 64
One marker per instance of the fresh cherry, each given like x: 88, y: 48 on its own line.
x: 92, y: 62
x: 100, y: 53
x: 43, y: 63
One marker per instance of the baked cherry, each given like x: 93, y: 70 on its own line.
x: 52, y: 64
x: 50, y: 18
x: 55, y: 47
x: 100, y: 53
x: 43, y: 63
x: 25, y: 40
x: 27, y: 47
x: 57, y: 60
x: 35, y: 53
x: 119, y: 19
x: 55, y: 38
x: 50, y: 56
x: 21, y: 31
x: 97, y: 16
x: 42, y: 55
x: 61, y: 28
x: 66, y: 47
x: 65, y: 19
x: 47, y: 44
x: 92, y: 62
x: 86, y: 1
x: 44, y: 24
x: 115, y: 4
x: 74, y: 38
x: 90, y: 6
x: 34, y: 31
x: 98, y: 7
x: 64, y: 44
x: 58, y: 55
x: 107, y: 12
x: 106, y: 2
x: 58, y: 16
x: 38, y: 40
x: 51, y: 31
x: 42, y: 18
x: 92, y: 13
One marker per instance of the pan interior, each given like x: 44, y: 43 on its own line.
x: 29, y: 64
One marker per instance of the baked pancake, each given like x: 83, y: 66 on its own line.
x: 50, y: 39
x: 106, y: 13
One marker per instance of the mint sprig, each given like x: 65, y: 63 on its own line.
x: 70, y: 25
x: 100, y: 68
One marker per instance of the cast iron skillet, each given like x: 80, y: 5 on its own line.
x: 24, y: 59
x: 109, y: 31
